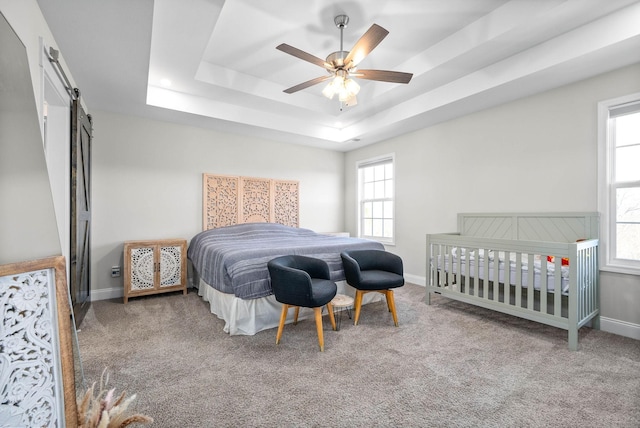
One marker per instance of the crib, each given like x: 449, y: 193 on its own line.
x: 539, y: 266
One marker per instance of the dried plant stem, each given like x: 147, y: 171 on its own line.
x: 102, y: 411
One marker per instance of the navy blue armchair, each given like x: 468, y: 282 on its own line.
x: 373, y: 270
x: 300, y: 281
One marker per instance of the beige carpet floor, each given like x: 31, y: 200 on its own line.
x: 447, y: 365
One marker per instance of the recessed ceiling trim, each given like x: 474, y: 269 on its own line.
x: 162, y: 97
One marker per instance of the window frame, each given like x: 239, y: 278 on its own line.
x: 607, y: 186
x: 360, y: 165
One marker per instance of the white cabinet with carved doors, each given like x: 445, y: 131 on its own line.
x: 156, y: 266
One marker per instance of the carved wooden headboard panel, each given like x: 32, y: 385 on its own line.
x: 229, y: 200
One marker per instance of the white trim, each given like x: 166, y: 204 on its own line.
x: 605, y: 169
x: 118, y: 292
x: 416, y: 279
x: 107, y: 294
x: 621, y: 328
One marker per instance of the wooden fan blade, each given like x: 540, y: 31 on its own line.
x: 369, y: 40
x: 383, y: 75
x: 306, y: 84
x: 303, y: 55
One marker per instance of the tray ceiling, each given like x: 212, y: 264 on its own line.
x: 225, y: 73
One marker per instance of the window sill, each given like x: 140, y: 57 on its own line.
x: 382, y: 241
x: 621, y: 269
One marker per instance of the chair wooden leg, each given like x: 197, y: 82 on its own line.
x: 295, y: 317
x: 392, y: 306
x: 356, y: 306
x: 332, y: 318
x: 318, y: 312
x: 283, y: 318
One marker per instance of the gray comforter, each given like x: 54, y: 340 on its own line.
x: 233, y: 259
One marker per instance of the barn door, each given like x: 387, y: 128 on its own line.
x: 80, y: 254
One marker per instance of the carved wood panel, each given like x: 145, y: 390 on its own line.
x: 255, y: 200
x: 37, y: 386
x: 172, y: 270
x: 286, y: 202
x: 229, y: 200
x: 220, y: 201
x: 143, y: 268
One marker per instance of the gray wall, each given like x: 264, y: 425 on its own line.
x: 147, y: 182
x: 534, y: 154
x: 27, y: 220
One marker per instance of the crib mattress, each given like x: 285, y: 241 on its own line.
x: 456, y: 263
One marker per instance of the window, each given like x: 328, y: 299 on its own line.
x: 376, y: 199
x: 619, y: 183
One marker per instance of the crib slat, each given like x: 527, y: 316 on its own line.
x: 446, y: 266
x: 530, y: 283
x: 507, y: 277
x: 432, y: 264
x: 435, y: 264
x: 452, y: 267
x: 543, y: 284
x: 518, y: 301
x: 439, y: 260
x: 593, y: 269
x: 496, y: 276
x: 593, y: 257
x: 557, y: 290
x: 440, y: 278
x: 467, y: 284
x: 589, y: 285
x: 583, y: 280
x: 485, y: 285
x: 476, y: 275
x: 593, y: 284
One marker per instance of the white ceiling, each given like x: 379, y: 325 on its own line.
x: 226, y: 74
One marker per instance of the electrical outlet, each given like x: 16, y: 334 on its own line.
x: 115, y: 271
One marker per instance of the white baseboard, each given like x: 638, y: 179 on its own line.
x: 621, y: 328
x: 107, y: 293
x: 415, y: 279
x: 116, y: 292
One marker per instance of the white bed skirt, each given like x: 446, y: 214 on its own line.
x: 251, y: 316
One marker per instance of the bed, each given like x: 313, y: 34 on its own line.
x: 539, y: 266
x: 230, y: 268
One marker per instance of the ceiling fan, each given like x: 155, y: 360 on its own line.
x: 342, y: 65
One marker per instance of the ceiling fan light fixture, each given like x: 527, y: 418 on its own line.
x: 348, y: 90
x: 343, y: 86
x: 352, y: 86
x: 344, y: 96
x: 329, y: 90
